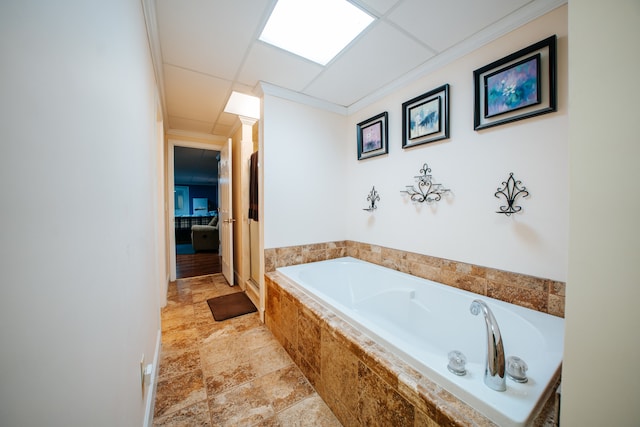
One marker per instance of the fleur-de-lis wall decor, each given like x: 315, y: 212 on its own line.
x: 510, y: 190
x: 372, y: 198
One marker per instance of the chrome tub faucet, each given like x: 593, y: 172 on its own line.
x: 494, y: 373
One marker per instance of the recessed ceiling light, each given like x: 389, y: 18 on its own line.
x: 243, y: 105
x: 314, y: 29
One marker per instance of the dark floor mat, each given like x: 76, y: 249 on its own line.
x: 232, y: 305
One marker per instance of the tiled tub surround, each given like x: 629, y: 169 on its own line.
x: 536, y: 293
x: 363, y: 383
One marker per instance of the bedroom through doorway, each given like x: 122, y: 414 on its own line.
x: 196, y: 231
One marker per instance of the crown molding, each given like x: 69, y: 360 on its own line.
x: 533, y: 10
x: 247, y: 121
x: 264, y: 88
x: 196, y: 135
x: 151, y: 24
x: 517, y: 19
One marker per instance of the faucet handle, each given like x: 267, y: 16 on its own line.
x: 517, y: 369
x: 457, y: 362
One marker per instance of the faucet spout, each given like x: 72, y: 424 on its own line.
x: 494, y: 373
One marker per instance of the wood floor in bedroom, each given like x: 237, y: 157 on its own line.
x: 197, y: 264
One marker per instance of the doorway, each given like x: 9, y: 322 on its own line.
x: 193, y: 209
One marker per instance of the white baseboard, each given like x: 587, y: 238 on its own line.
x: 153, y: 383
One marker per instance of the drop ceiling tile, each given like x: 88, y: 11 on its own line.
x: 379, y: 7
x: 190, y: 125
x: 208, y: 36
x: 280, y: 68
x: 445, y: 25
x: 228, y: 119
x: 221, y: 129
x: 206, y: 44
x: 194, y: 96
x: 372, y: 62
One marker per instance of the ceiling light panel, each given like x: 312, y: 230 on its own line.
x: 314, y: 29
x: 243, y: 105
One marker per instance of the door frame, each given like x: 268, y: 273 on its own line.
x: 226, y: 213
x: 171, y: 144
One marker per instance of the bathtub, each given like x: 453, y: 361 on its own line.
x: 421, y: 321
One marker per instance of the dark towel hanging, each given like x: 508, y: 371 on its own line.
x: 253, y: 187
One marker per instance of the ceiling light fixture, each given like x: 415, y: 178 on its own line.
x: 243, y: 105
x: 314, y: 29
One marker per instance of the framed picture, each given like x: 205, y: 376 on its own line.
x: 373, y: 136
x: 425, y: 118
x: 516, y: 87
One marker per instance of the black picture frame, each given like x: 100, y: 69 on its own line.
x: 373, y: 136
x: 425, y: 118
x: 518, y: 86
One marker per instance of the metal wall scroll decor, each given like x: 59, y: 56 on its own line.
x: 372, y: 198
x: 510, y: 190
x: 427, y: 191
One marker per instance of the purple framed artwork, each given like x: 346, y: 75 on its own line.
x: 372, y: 136
x: 516, y: 87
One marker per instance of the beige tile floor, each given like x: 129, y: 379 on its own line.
x: 229, y: 373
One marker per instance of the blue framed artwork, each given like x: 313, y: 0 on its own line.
x: 513, y: 87
x: 516, y: 87
x: 373, y: 136
x: 425, y: 118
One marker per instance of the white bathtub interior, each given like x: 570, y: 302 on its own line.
x: 421, y: 321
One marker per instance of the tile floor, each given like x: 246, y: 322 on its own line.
x: 229, y: 373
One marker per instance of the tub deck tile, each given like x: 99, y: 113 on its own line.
x: 389, y: 391
x: 379, y: 404
x: 339, y: 370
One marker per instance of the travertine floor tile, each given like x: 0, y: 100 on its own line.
x: 226, y: 374
x: 203, y: 294
x: 177, y: 310
x: 179, y: 392
x: 177, y: 340
x: 229, y: 373
x: 171, y: 324
x: 176, y: 363
x: 241, y: 406
x: 310, y: 412
x: 284, y: 387
x: 269, y: 358
x: 209, y: 328
x: 194, y: 416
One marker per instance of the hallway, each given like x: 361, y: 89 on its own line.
x: 229, y: 373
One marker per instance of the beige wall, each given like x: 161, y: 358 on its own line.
x: 592, y: 159
x: 162, y: 209
x: 238, y: 232
x: 602, y: 343
x: 256, y: 135
x: 316, y: 189
x: 242, y: 147
x: 81, y: 164
x: 304, y: 170
x: 465, y: 226
x: 254, y: 227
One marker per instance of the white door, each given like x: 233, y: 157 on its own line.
x: 225, y: 212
